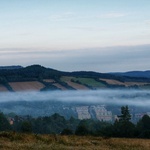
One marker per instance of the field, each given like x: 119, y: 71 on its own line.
x: 60, y: 86
x: 83, y: 81
x: 26, y: 86
x: 18, y: 141
x: 127, y: 84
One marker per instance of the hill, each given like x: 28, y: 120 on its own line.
x: 137, y: 74
x: 10, y: 67
x: 39, y: 78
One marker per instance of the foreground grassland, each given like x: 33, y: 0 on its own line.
x: 16, y: 141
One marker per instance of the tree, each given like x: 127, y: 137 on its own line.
x: 123, y: 127
x: 26, y: 127
x: 143, y: 127
x: 4, y: 124
x: 125, y: 114
x: 67, y: 131
x: 81, y: 130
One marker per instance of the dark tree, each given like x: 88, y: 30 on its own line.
x: 26, y: 127
x: 4, y: 124
x: 125, y: 114
x: 123, y: 127
x: 82, y: 130
x: 143, y: 127
x: 67, y: 132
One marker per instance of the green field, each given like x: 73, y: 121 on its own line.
x: 90, y: 82
x: 18, y: 141
x: 85, y: 81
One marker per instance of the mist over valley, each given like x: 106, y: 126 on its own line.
x: 82, y: 104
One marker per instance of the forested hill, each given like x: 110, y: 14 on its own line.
x: 10, y: 67
x: 39, y: 78
x: 138, y: 74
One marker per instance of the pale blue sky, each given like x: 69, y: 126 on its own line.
x: 62, y: 33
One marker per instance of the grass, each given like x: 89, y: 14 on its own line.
x: 18, y: 141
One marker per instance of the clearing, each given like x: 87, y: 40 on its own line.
x: 26, y: 86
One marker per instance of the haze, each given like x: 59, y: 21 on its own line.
x: 103, y: 36
x: 108, y: 97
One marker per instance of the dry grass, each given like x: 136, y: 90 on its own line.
x: 15, y: 141
x: 26, y: 86
x: 73, y: 84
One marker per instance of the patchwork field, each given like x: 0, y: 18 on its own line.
x: 18, y: 141
x: 60, y: 86
x: 127, y: 84
x: 113, y: 82
x: 78, y: 83
x: 26, y: 86
x: 73, y: 84
x: 82, y: 83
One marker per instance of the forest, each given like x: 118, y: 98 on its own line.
x: 57, y: 124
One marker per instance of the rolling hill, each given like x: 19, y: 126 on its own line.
x: 137, y: 74
x: 39, y: 78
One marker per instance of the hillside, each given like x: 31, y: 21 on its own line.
x: 137, y: 74
x: 39, y: 78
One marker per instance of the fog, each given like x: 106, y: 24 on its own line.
x: 65, y: 102
x: 140, y: 98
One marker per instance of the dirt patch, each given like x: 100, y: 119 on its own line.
x: 77, y: 86
x: 60, y: 86
x: 113, y: 82
x: 127, y: 84
x: 26, y: 86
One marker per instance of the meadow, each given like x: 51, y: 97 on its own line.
x: 22, y: 141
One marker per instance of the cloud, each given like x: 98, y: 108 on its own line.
x: 112, y: 15
x: 108, y: 97
x: 147, y: 22
x: 47, y: 103
x: 106, y: 59
x: 88, y: 28
x: 71, y: 15
x: 62, y: 17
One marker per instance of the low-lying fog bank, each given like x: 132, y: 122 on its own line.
x: 45, y: 103
x: 122, y: 97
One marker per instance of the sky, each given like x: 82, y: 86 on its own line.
x: 71, y: 35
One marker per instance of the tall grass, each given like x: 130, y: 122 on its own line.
x: 18, y: 141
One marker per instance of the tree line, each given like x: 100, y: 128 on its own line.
x: 57, y: 124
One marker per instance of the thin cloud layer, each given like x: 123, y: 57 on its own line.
x: 108, y: 97
x: 107, y: 59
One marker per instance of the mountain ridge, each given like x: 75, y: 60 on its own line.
x: 37, y: 77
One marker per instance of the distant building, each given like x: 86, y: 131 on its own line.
x: 139, y: 116
x: 83, y: 112
x: 95, y: 112
x: 101, y: 113
x: 11, y: 121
